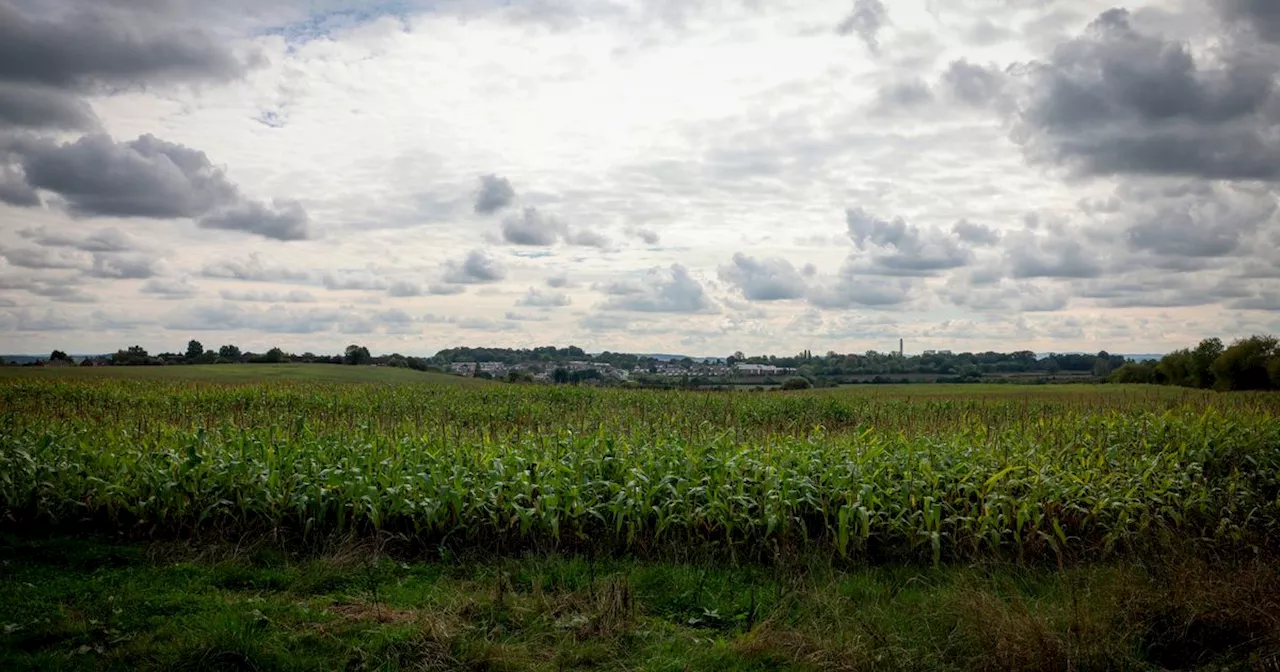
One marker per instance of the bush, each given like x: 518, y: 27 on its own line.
x: 796, y: 384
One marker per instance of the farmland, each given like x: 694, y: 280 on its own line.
x: 718, y: 523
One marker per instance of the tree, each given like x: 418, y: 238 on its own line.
x: 560, y: 376
x: 59, y: 356
x: 135, y: 355
x: 275, y: 356
x: 796, y: 384
x: 1243, y: 366
x: 194, y: 349
x: 1102, y: 365
x: 1202, y: 359
x: 229, y: 352
x: 357, y: 355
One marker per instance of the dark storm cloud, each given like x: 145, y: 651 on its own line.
x: 285, y: 220
x: 92, y: 47
x: 866, y: 20
x: 660, y: 290
x: 1116, y: 101
x: 14, y: 189
x: 771, y: 279
x: 95, y: 176
x: 41, y: 107
x: 147, y: 177
x: 1263, y: 15
x: 494, y: 194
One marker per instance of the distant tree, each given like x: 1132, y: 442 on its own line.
x: 796, y: 384
x: 133, y: 356
x: 1244, y: 365
x: 59, y: 356
x: 229, y: 352
x: 357, y: 355
x: 1202, y: 359
x: 560, y: 376
x: 1102, y: 365
x: 194, y: 349
x: 275, y: 356
x: 1134, y: 372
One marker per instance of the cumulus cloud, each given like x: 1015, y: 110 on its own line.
x: 102, y: 240
x: 660, y: 290
x: 866, y: 21
x: 646, y: 236
x: 253, y: 268
x: 531, y: 228
x: 539, y: 298
x: 30, y: 106
x: 353, y: 280
x: 122, y: 266
x: 494, y: 194
x: 899, y: 248
x: 1118, y: 100
x: 254, y: 296
x: 170, y: 288
x: 285, y: 220
x: 975, y: 234
x: 478, y: 267
x: 975, y: 85
x: 771, y: 279
x: 850, y: 289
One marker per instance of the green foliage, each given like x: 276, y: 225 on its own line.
x: 59, y: 356
x: 357, y: 355
x: 1244, y: 365
x: 134, y: 356
x: 932, y: 476
x: 195, y: 350
x: 796, y: 384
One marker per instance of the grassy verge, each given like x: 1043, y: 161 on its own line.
x: 72, y: 604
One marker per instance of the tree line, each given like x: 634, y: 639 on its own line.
x: 1251, y: 363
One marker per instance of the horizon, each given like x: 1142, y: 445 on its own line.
x: 639, y: 177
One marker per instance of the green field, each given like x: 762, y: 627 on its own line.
x: 298, y: 522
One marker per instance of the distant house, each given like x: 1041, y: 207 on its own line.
x: 55, y: 362
x: 763, y: 370
x: 95, y: 361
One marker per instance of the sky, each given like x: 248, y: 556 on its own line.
x: 692, y: 176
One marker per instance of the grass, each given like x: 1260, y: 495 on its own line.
x: 77, y: 604
x: 241, y: 374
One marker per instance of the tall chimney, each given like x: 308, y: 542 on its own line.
x: 901, y: 351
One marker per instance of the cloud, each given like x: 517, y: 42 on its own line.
x: 254, y: 269
x: 147, y: 177
x: 270, y: 320
x: 660, y: 290
x: 478, y: 267
x: 170, y: 288
x: 538, y: 298
x: 92, y: 47
x: 1193, y: 220
x: 1119, y: 101
x: 558, y: 281
x: 523, y: 317
x: 494, y: 194
x: 899, y: 248
x: 31, y: 106
x: 252, y: 296
x: 976, y: 234
x: 975, y: 85
x: 851, y: 289
x: 286, y: 220
x: 103, y: 240
x: 902, y: 94
x: 866, y: 20
x: 122, y: 266
x: 587, y: 238
x: 531, y: 228
x: 646, y: 236
x: 771, y: 279
x: 41, y: 258
x: 353, y: 280
x: 1033, y: 255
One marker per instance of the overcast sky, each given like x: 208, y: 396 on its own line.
x: 688, y: 176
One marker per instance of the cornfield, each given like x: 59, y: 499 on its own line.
x: 1070, y: 472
